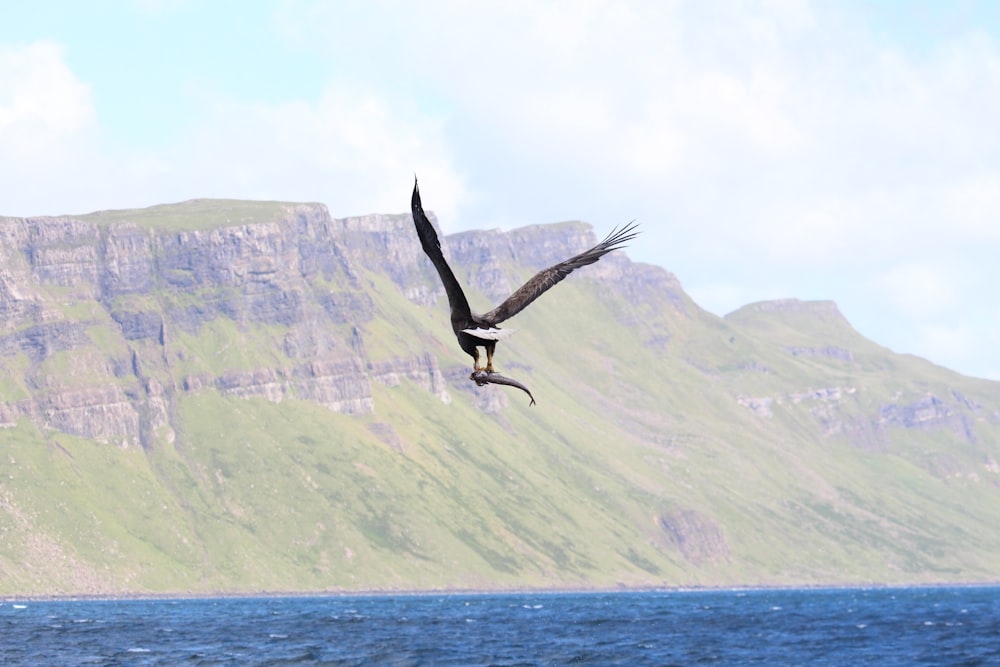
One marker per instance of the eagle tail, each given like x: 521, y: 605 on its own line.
x: 493, y: 333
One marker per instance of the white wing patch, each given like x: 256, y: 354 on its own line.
x: 490, y: 334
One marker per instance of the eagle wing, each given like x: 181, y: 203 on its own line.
x: 546, y: 278
x: 432, y: 248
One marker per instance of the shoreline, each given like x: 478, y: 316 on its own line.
x: 458, y: 592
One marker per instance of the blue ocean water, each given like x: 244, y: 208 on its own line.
x: 929, y: 626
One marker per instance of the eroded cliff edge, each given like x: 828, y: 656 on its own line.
x: 106, y: 319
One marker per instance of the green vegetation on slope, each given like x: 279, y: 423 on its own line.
x: 668, y: 447
x: 195, y: 214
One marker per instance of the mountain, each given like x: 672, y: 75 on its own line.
x: 233, y: 396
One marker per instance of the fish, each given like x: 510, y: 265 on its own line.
x: 482, y: 377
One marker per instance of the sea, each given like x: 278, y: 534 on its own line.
x: 844, y: 626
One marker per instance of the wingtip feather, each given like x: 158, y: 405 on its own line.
x: 415, y: 198
x: 617, y: 238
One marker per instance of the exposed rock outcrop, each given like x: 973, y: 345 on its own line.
x: 125, y: 297
x: 696, y: 535
x: 869, y: 430
x: 929, y: 413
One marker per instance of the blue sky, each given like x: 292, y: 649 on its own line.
x: 785, y: 148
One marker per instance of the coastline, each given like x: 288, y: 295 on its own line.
x: 458, y: 592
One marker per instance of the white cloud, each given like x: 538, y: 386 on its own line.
x: 159, y: 7
x: 349, y: 149
x: 53, y: 155
x: 973, y: 205
x: 921, y: 292
x: 43, y: 106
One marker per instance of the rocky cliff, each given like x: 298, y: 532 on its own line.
x: 94, y: 315
x: 223, y: 395
x: 120, y: 297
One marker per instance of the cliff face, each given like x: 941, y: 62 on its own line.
x: 118, y: 298
x: 223, y: 395
x: 112, y: 300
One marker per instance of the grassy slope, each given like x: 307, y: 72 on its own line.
x: 261, y: 496
x: 195, y: 214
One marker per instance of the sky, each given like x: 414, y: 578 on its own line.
x: 842, y: 150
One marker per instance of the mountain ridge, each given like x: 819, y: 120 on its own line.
x: 277, y: 403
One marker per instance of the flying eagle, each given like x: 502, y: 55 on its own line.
x: 474, y: 331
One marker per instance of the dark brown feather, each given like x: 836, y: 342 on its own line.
x: 432, y: 248
x: 470, y: 329
x: 547, y: 278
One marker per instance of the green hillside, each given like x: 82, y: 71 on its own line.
x: 669, y: 447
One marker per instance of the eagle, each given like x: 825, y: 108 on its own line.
x: 474, y: 331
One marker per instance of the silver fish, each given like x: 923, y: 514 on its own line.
x: 482, y: 377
